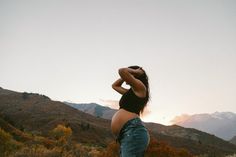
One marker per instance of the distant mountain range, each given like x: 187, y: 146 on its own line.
x: 94, y: 109
x: 38, y: 114
x: 222, y: 124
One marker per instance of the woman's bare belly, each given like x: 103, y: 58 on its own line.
x: 119, y: 119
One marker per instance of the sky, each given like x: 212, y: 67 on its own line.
x: 71, y: 50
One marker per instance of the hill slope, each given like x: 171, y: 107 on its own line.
x: 37, y: 113
x: 193, y: 140
x: 34, y: 112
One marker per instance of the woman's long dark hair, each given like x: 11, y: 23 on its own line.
x: 144, y: 79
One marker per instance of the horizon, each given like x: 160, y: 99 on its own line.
x: 111, y: 106
x: 72, y: 50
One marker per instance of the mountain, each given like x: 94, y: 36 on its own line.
x: 233, y: 140
x: 222, y: 124
x: 94, y: 109
x: 193, y: 140
x: 24, y: 113
x: 163, y: 132
x: 33, y: 112
x: 22, y: 136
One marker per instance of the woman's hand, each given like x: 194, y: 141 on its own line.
x: 130, y: 76
x: 138, y: 72
x: 135, y: 72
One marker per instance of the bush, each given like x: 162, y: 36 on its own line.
x: 62, y: 134
x: 162, y: 149
x: 111, y: 150
x: 7, y: 143
x: 155, y: 149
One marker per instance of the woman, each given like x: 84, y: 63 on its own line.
x: 126, y: 124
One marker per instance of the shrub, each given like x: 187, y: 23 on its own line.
x: 111, y: 150
x: 62, y: 134
x: 161, y: 149
x: 155, y: 149
x: 7, y: 143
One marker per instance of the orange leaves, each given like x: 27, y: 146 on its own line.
x: 4, y: 136
x: 61, y: 133
x: 63, y: 146
x: 161, y: 149
x: 7, y: 143
x: 111, y: 150
x: 155, y: 149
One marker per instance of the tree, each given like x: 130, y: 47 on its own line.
x: 62, y: 134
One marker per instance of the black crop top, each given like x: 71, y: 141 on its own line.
x: 131, y: 102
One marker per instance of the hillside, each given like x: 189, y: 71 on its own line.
x: 38, y: 114
x: 24, y: 137
x: 183, y: 137
x: 221, y: 124
x: 196, y: 136
x: 193, y: 140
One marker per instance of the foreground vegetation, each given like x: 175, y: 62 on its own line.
x: 59, y: 144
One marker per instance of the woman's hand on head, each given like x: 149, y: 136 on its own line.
x: 138, y: 72
x: 130, y: 76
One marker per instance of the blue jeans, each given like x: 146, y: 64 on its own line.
x: 133, y: 138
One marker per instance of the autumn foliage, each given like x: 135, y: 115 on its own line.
x: 7, y: 143
x: 62, y: 134
x: 155, y: 149
x: 161, y: 149
x: 111, y: 150
x: 59, y: 144
x: 63, y: 146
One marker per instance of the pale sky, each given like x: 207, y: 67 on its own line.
x: 70, y: 50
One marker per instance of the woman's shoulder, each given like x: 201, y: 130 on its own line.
x: 139, y: 95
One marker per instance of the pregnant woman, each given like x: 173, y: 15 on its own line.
x: 126, y: 124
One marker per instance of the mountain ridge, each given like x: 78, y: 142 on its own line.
x: 222, y: 124
x: 94, y: 109
x: 33, y: 112
x: 38, y: 113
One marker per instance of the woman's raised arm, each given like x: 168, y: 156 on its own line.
x: 129, y: 76
x: 117, y: 86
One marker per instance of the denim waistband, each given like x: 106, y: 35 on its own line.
x: 135, y: 121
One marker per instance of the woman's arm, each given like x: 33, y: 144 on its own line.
x: 117, y: 85
x: 128, y: 75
